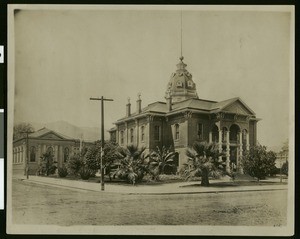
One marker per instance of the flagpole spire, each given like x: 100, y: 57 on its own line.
x: 181, y: 57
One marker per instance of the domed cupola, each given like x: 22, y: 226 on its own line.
x: 181, y: 85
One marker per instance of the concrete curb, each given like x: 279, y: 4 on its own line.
x: 151, y: 190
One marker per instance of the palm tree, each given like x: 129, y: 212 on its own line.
x: 132, y: 164
x: 203, y: 160
x: 159, y: 160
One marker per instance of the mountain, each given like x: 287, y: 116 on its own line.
x: 65, y: 128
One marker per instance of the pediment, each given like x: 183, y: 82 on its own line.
x: 238, y: 108
x: 50, y: 135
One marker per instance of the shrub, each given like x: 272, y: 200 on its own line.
x: 52, y: 169
x: 62, y: 171
x: 132, y: 163
x: 75, y: 163
x: 258, y: 162
x: 85, y: 173
x: 47, y: 165
x: 203, y: 160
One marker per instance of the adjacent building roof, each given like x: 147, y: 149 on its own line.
x: 44, y: 131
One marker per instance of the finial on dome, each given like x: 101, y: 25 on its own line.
x: 139, y: 96
x: 181, y: 58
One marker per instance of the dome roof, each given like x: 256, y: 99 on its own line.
x: 181, y: 85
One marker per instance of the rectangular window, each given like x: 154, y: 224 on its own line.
x: 200, y: 131
x: 32, y: 154
x: 122, y: 137
x: 131, y: 135
x: 143, y: 133
x: 177, y: 131
x: 156, y: 132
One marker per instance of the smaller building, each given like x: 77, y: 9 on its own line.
x: 40, y: 142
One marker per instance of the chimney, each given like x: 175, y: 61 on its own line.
x: 128, y: 108
x: 139, y: 104
x: 169, y: 100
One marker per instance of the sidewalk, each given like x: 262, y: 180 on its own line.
x: 168, y: 188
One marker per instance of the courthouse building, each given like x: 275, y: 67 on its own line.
x: 184, y: 118
x: 40, y: 142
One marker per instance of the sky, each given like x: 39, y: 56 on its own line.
x: 64, y: 57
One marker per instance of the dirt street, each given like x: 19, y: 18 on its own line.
x: 47, y: 205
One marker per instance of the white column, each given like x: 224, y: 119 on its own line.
x: 220, y: 144
x: 241, y: 153
x: 247, y: 141
x: 227, y: 152
x: 210, y: 137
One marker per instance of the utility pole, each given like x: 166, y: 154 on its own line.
x: 102, y: 99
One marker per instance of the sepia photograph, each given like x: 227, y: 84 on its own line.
x: 150, y: 120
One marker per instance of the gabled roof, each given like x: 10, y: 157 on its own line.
x: 43, y: 132
x: 226, y: 103
x: 194, y: 104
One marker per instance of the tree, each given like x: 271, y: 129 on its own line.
x: 21, y: 129
x: 93, y: 155
x: 258, y: 162
x: 285, y: 149
x: 132, y: 162
x: 47, y: 165
x: 203, y: 160
x: 285, y: 168
x: 284, y: 153
x: 160, y: 159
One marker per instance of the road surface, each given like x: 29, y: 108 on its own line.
x: 46, y: 205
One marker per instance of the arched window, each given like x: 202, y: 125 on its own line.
x: 66, y: 154
x: 142, y: 133
x: 233, y: 135
x: 176, y: 131
x: 215, y: 134
x: 50, y: 150
x: 131, y: 135
x: 32, y: 154
x: 190, y: 84
x: 14, y: 156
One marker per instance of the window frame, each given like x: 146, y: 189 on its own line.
x: 142, y: 133
x: 122, y: 137
x: 200, y: 136
x: 177, y: 132
x: 157, y: 133
x: 131, y: 131
x: 32, y: 157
